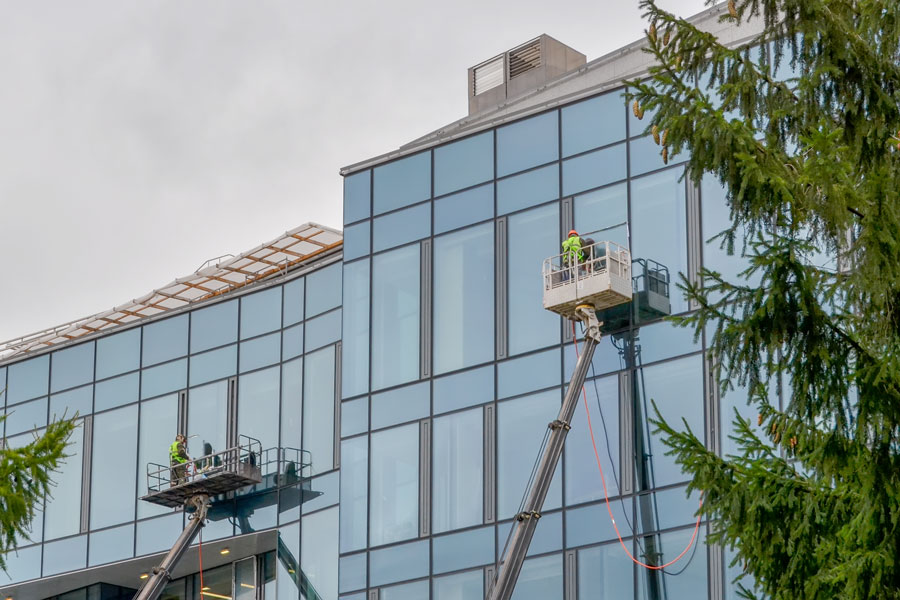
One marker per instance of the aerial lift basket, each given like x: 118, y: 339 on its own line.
x: 601, y: 279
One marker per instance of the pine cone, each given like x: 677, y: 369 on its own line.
x: 636, y: 109
x: 665, y: 155
x: 793, y: 442
x: 777, y: 436
x: 732, y: 9
x: 665, y: 136
x: 759, y: 419
x: 667, y: 37
x: 651, y: 33
x: 655, y: 132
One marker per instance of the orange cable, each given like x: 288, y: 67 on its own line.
x: 606, y: 494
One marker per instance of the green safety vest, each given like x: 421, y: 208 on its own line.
x: 174, y: 454
x: 572, y: 249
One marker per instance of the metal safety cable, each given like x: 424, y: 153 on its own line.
x: 606, y: 493
x: 200, y: 554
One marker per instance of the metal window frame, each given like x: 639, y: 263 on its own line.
x: 490, y: 462
x: 501, y: 278
x: 694, y: 235
x: 86, y: 457
x: 425, y: 478
x: 626, y: 434
x: 336, y: 435
x: 426, y: 275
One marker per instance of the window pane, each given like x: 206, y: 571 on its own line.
x: 26, y: 416
x: 463, y: 389
x: 528, y: 189
x: 72, y: 366
x: 659, y: 228
x: 258, y: 406
x: 288, y: 583
x: 159, y: 424
x: 521, y: 424
x: 324, y: 329
x: 402, y: 182
x: 353, y: 571
x: 463, y: 163
x: 71, y: 402
x: 319, y: 549
x: 165, y: 340
x: 291, y: 403
x: 460, y: 586
x: 292, y: 342
x: 527, y: 143
x: 458, y: 471
x: 604, y: 212
x: 355, y: 337
x: 62, y: 513
x: 582, y: 479
x: 591, y: 524
x: 260, y: 312
x: 65, y: 555
x: 207, y: 410
x: 118, y: 353
x: 466, y: 549
x: 399, y: 405
x: 354, y: 416
x: 527, y: 374
x: 692, y: 583
x: 116, y: 391
x: 401, y: 227
x: 328, y: 485
x: 397, y: 563
x: 356, y: 240
x: 394, y: 500
x: 645, y: 156
x: 28, y: 379
x: 463, y: 295
x: 323, y: 290
x: 114, y: 454
x: 318, y: 409
x: 159, y: 534
x: 354, y: 493
x: 214, y: 326
x: 664, y: 340
x: 605, y: 572
x: 395, y: 317
x: 533, y: 236
x: 417, y: 590
x: 111, y: 545
x: 541, y: 579
x: 716, y: 219
x: 260, y: 352
x: 547, y: 535
x: 22, y: 565
x: 593, y: 170
x: 357, y: 189
x: 293, y: 301
x: 463, y: 208
x: 593, y: 123
x: 163, y: 379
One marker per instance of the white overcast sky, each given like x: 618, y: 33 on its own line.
x: 139, y: 139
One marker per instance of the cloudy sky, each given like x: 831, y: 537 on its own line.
x: 139, y: 139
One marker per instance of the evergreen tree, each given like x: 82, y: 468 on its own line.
x: 804, y: 137
x: 25, y: 480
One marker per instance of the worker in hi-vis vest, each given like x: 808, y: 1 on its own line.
x: 571, y: 253
x: 178, y: 460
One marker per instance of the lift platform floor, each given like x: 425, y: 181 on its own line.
x: 212, y: 482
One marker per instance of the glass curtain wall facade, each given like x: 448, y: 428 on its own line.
x: 263, y: 364
x: 452, y: 369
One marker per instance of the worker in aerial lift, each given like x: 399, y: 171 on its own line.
x: 178, y: 460
x: 572, y: 252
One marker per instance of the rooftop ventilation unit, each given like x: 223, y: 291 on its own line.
x: 520, y: 70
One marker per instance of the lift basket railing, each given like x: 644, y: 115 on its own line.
x: 600, y: 257
x: 248, y: 451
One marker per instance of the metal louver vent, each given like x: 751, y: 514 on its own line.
x: 525, y: 58
x: 487, y: 75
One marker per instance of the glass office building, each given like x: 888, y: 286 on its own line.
x: 415, y: 371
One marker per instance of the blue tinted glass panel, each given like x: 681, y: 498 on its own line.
x: 359, y: 596
x: 594, y: 169
x: 28, y: 379
x: 464, y: 389
x: 520, y: 428
x: 354, y: 493
x: 403, y: 404
x: 353, y: 570
x: 406, y: 561
x: 289, y: 553
x: 677, y: 389
x: 582, y: 479
x: 22, y: 565
x: 291, y: 403
x: 529, y: 373
x: 356, y: 240
x: 260, y: 312
x: 463, y: 163
x: 111, y: 545
x: 319, y: 551
x: 591, y: 524
x: 458, y: 473
x: 328, y: 486
x: 547, y: 535
x: 638, y: 126
x: 216, y: 364
x: 691, y: 583
x: 115, y: 451
x: 665, y: 340
x: 463, y: 208
x: 533, y: 236
x: 213, y: 326
x: 165, y: 340
x: 401, y: 227
x: 3, y: 383
x: 402, y: 182
x: 394, y: 499
x: 323, y: 290
x: 670, y: 508
x: 318, y: 408
x: 395, y: 317
x: 69, y: 403
x: 355, y: 338
x: 26, y: 416
x: 159, y: 425
x: 256, y: 511
x: 116, y: 391
x: 62, y: 512
x: 354, y: 416
x: 260, y: 352
x: 118, y: 353
x: 293, y: 301
x: 645, y: 156
x: 593, y: 123
x: 527, y: 143
x: 459, y: 586
x: 659, y: 226
x: 163, y: 379
x: 157, y: 535
x: 325, y: 329
x: 292, y: 342
x: 540, y: 578
x: 357, y: 201
x: 258, y: 406
x: 605, y: 572
x: 72, y: 366
x: 601, y: 213
x: 407, y: 591
x: 207, y: 409
x: 463, y: 287
x: 716, y: 219
x: 607, y: 359
x: 528, y: 189
x: 65, y: 555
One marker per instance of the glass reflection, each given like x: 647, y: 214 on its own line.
x: 394, y: 500
x: 395, y: 317
x: 113, y: 461
x: 318, y: 409
x: 214, y: 326
x: 527, y: 143
x: 319, y: 552
x: 207, y: 411
x: 159, y: 421
x: 62, y: 512
x: 258, y: 406
x: 458, y: 471
x: 459, y: 586
x: 464, y: 163
x: 355, y: 331
x: 605, y: 572
x: 354, y: 493
x: 72, y: 366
